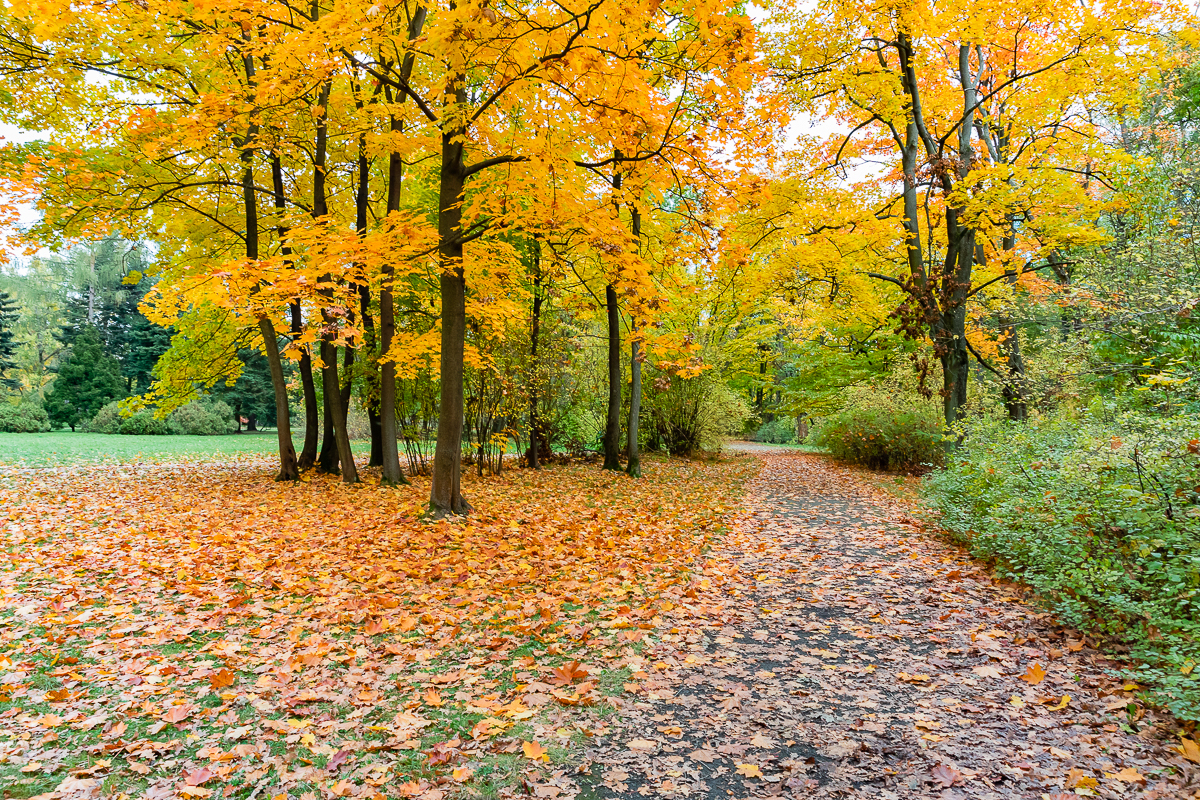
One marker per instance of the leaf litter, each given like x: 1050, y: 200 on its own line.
x: 842, y: 650
x: 197, y: 630
x: 200, y: 632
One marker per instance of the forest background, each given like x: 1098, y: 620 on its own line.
x: 481, y: 228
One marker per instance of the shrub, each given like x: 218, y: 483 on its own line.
x: 693, y: 414
x: 197, y: 418
x: 882, y: 438
x: 1101, y: 516
x: 143, y: 423
x: 107, y: 419
x: 201, y: 418
x: 781, y: 430
x: 23, y: 418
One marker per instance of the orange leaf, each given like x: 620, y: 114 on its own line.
x: 749, y: 770
x: 58, y: 695
x: 375, y: 627
x: 1034, y: 674
x: 222, y: 678
x: 1189, y: 749
x: 177, y: 714
x: 567, y: 673
x: 534, y: 751
x: 433, y: 698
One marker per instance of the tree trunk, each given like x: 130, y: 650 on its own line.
x: 612, y: 428
x: 288, y: 470
x: 312, y: 418
x: 333, y: 393
x: 327, y: 460
x: 634, y: 467
x: 335, y: 405
x: 389, y: 435
x: 632, y: 451
x: 445, y: 491
x: 535, y: 434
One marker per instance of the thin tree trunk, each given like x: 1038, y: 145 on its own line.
x: 535, y: 436
x: 361, y: 198
x: 312, y: 414
x: 288, y: 471
x: 633, y: 452
x: 445, y: 491
x: 334, y: 404
x: 308, y: 453
x: 389, y: 435
x: 612, y: 428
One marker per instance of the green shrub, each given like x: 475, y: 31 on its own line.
x: 201, y: 418
x: 882, y: 438
x: 23, y: 418
x: 143, y: 423
x: 781, y: 430
x: 1101, y: 516
x: 197, y: 418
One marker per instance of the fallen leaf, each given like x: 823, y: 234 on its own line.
x: 946, y: 776
x: 534, y: 751
x: 1034, y: 674
x: 749, y: 770
x: 642, y: 745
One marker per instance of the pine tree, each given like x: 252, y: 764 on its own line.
x: 8, y: 321
x: 86, y: 382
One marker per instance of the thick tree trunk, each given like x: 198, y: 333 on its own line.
x: 327, y: 459
x: 288, y: 470
x: 445, y: 491
x: 535, y: 432
x: 612, y: 428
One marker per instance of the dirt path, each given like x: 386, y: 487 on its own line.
x: 854, y: 655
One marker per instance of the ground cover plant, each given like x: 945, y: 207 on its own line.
x: 189, y: 629
x: 1100, y: 516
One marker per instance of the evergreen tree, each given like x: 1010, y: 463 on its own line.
x: 86, y: 382
x: 8, y: 321
x: 252, y: 396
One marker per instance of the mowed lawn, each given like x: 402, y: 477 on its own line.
x: 67, y: 447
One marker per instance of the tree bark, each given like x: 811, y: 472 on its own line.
x: 334, y: 404
x: 633, y: 452
x: 288, y: 470
x: 445, y: 491
x: 612, y: 428
x: 389, y: 435
x: 308, y: 453
x: 535, y: 433
x: 312, y: 414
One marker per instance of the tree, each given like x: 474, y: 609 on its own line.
x: 984, y: 117
x: 8, y: 347
x: 88, y: 380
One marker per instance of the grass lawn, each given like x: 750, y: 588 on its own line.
x: 65, y: 447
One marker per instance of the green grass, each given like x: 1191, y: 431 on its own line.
x: 65, y: 447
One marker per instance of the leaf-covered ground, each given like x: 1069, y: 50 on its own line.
x: 853, y: 654
x: 198, y: 631
x: 195, y: 630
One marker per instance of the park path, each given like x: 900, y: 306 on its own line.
x: 855, y: 654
